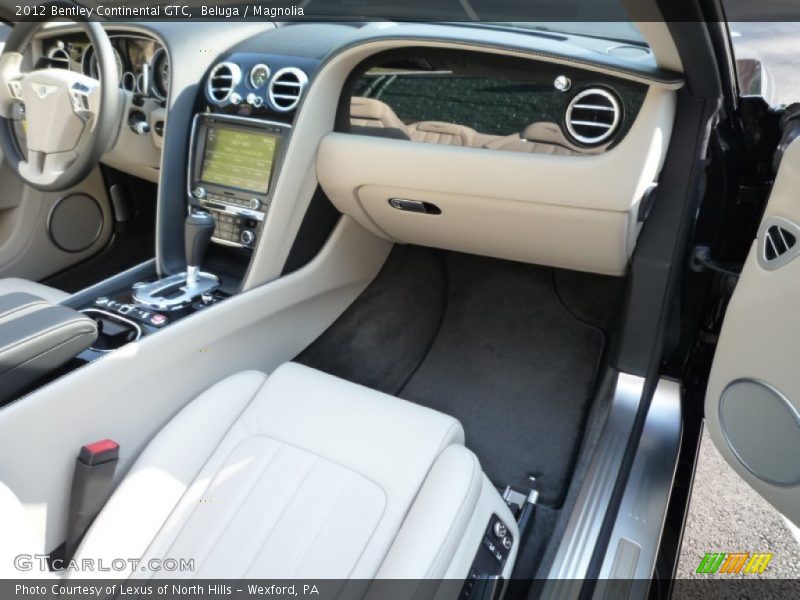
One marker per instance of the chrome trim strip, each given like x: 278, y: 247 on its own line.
x: 580, y: 537
x: 641, y: 515
x: 231, y: 209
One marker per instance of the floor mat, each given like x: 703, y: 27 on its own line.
x: 514, y: 367
x: 484, y: 340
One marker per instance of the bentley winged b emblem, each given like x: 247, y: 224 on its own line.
x: 43, y: 90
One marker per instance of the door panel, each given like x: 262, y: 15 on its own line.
x: 752, y: 403
x: 27, y: 246
x: 28, y: 223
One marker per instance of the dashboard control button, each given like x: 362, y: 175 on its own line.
x: 247, y: 237
x: 199, y: 192
x: 508, y: 542
x: 236, y: 99
x: 500, y: 529
x: 255, y: 100
x: 254, y: 203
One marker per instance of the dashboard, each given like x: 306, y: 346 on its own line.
x: 142, y: 63
x: 525, y: 147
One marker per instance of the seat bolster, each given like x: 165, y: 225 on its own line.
x: 161, y: 475
x: 10, y: 285
x: 18, y: 537
x: 432, y: 529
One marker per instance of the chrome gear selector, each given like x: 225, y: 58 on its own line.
x: 180, y: 290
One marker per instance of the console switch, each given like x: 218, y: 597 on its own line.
x: 485, y: 581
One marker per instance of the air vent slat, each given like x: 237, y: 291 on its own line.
x: 286, y: 88
x: 594, y: 107
x: 592, y: 124
x: 778, y: 242
x: 593, y: 116
x: 221, y: 82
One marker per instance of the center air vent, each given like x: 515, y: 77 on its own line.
x: 593, y: 116
x: 221, y: 82
x: 778, y: 242
x: 286, y: 88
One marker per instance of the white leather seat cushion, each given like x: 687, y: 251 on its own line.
x: 299, y: 474
x: 9, y: 285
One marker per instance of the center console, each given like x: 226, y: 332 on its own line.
x: 236, y: 149
x: 232, y: 169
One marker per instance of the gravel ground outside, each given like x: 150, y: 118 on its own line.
x: 726, y: 515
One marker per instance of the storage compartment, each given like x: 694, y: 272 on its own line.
x: 113, y: 331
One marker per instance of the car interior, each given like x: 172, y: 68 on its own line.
x: 352, y: 300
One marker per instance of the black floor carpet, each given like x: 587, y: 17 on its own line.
x: 486, y: 341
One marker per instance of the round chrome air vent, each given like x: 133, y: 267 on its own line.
x: 286, y: 88
x: 593, y: 116
x: 221, y: 82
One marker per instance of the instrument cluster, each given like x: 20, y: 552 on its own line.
x: 142, y: 63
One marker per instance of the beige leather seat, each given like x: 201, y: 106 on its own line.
x: 369, y: 116
x: 9, y: 285
x: 538, y: 138
x: 296, y: 475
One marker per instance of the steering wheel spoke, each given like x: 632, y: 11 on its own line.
x: 69, y: 119
x: 11, y: 76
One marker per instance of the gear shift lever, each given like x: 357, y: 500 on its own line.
x: 198, y: 230
x: 180, y: 290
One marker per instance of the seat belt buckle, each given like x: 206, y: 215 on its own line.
x: 91, y: 487
x: 98, y: 453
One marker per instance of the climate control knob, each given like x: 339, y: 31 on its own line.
x: 236, y: 99
x: 199, y: 192
x: 255, y: 100
x: 248, y: 237
x: 255, y: 203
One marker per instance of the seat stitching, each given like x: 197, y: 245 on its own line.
x: 4, y: 316
x: 283, y: 511
x: 199, y: 470
x: 320, y: 456
x: 42, y: 334
x: 240, y: 502
x: 444, y: 443
x: 324, y: 520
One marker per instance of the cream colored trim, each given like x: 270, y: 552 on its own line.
x: 613, y: 181
x: 658, y: 37
x: 564, y: 211
x: 26, y: 249
x: 130, y: 394
x: 759, y: 339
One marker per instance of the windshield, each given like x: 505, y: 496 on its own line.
x: 623, y: 31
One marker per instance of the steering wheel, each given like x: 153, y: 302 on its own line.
x: 70, y: 119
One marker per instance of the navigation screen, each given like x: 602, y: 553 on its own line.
x: 239, y: 159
